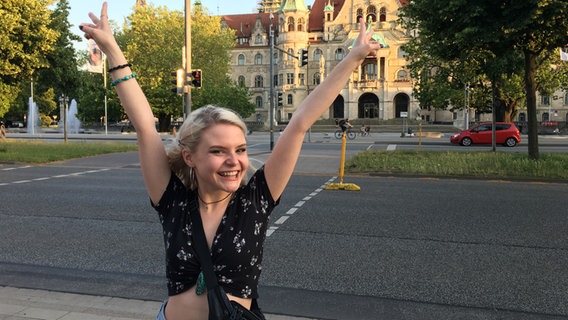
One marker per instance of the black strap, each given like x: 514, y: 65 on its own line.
x: 201, y: 246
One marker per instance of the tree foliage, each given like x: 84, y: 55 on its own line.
x: 153, y: 41
x: 25, y: 40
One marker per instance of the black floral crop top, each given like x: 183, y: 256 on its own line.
x: 237, y: 247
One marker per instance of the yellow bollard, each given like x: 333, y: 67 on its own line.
x: 341, y: 185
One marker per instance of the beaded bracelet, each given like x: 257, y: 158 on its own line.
x: 119, y: 67
x: 125, y: 78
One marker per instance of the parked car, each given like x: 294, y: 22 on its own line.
x: 505, y: 133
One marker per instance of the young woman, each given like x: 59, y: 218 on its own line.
x: 209, y: 163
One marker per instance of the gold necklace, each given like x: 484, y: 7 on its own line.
x: 212, y: 202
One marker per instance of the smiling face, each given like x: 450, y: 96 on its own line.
x: 220, y: 160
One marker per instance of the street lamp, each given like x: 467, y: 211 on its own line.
x: 63, y: 100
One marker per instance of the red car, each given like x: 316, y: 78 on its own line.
x: 505, y: 133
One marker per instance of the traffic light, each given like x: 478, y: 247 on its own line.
x: 303, y: 57
x: 179, y: 80
x: 280, y: 103
x: 196, y: 78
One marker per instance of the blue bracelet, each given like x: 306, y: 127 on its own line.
x: 125, y: 78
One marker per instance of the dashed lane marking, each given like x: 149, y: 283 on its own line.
x: 295, y: 208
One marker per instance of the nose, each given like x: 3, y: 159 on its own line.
x: 232, y: 158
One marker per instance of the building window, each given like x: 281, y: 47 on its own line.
x: 241, y: 60
x: 545, y: 100
x: 317, y: 78
x: 258, y: 58
x: 290, y: 99
x: 290, y: 54
x: 339, y: 54
x: 259, y: 102
x: 291, y: 24
x: 258, y: 39
x: 317, y: 54
x: 258, y: 82
x: 383, y: 14
x: 301, y: 79
x: 275, y: 57
x: 370, y: 71
x: 275, y: 80
x: 566, y: 98
x: 241, y: 81
x: 402, y: 75
x: 290, y: 78
x: 545, y: 117
x: 359, y: 14
x: 371, y: 13
x: 281, y: 78
x: 301, y: 23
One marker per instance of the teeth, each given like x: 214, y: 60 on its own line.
x: 229, y: 174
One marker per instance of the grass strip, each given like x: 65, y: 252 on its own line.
x: 42, y: 152
x: 485, y: 164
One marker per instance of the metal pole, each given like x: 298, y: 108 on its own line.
x: 187, y: 91
x: 105, y: 85
x: 271, y: 84
x: 465, y: 124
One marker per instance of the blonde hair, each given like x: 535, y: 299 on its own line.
x: 189, y: 136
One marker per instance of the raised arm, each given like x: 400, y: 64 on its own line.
x: 280, y: 165
x: 153, y: 159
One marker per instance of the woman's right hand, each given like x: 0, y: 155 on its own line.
x: 100, y: 31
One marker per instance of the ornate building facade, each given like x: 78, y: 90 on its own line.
x: 380, y: 89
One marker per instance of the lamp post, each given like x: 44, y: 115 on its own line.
x: 63, y: 101
x: 271, y: 98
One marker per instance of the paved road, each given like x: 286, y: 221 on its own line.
x: 401, y: 248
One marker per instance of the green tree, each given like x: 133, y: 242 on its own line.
x: 493, y: 33
x: 25, y: 40
x: 153, y: 41
x: 210, y: 44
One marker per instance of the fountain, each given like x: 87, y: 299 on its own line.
x: 73, y: 123
x: 33, y: 117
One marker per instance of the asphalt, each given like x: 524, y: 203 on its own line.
x: 32, y: 304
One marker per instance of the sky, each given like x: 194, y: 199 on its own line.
x: 118, y: 9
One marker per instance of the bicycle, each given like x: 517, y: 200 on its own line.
x: 350, y: 134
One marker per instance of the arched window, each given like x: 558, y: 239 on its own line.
x: 317, y: 78
x: 259, y: 102
x: 258, y: 39
x: 282, y: 24
x: 258, y: 58
x: 301, y: 23
x: 545, y: 116
x: 372, y: 12
x: 258, y: 81
x: 339, y: 54
x: 241, y: 60
x: 566, y: 98
x: 291, y: 24
x: 359, y: 14
x: 401, y: 75
x: 383, y: 14
x: 317, y: 54
x: 290, y: 54
x: 241, y: 81
x: 290, y: 99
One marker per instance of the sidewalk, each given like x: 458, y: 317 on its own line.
x: 29, y: 304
